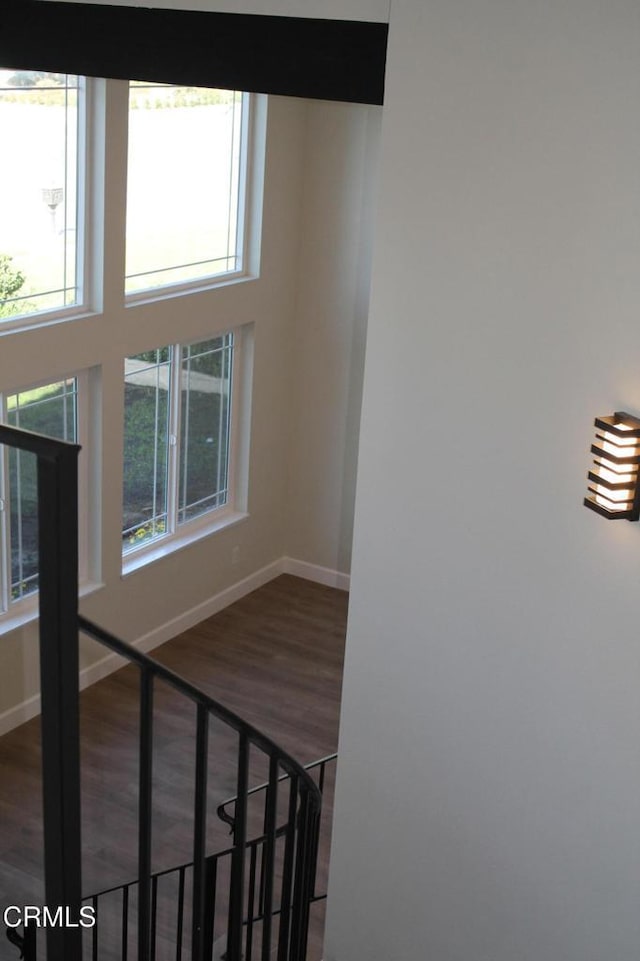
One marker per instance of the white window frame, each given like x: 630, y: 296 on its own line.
x: 178, y: 536
x: 102, y: 129
x: 15, y: 613
x: 50, y: 315
x: 209, y: 281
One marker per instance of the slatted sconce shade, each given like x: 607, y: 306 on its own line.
x: 614, y: 478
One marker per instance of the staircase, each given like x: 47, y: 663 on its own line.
x: 251, y: 899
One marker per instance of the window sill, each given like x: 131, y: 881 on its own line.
x: 140, y: 558
x: 29, y: 612
x: 45, y: 318
x: 200, y: 285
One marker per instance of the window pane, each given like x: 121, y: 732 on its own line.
x: 204, y: 436
x: 38, y: 191
x: 50, y: 410
x: 146, y: 446
x: 183, y: 188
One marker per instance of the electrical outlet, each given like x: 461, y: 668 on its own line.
x: 235, y: 554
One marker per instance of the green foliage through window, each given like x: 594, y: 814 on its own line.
x: 11, y: 282
x: 51, y: 410
x: 176, y: 436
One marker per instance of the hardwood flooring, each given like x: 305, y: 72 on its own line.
x: 275, y: 658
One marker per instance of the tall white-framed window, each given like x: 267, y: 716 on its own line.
x: 186, y: 186
x: 180, y: 444
x: 57, y: 409
x: 43, y: 118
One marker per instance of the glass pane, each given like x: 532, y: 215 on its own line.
x: 183, y: 184
x: 205, y: 383
x: 146, y: 446
x: 38, y: 191
x: 50, y: 410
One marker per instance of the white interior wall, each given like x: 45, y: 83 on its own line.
x: 329, y: 332
x: 489, y: 759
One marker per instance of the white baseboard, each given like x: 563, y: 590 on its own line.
x: 147, y: 642
x: 30, y: 708
x: 313, y: 572
x: 19, y: 714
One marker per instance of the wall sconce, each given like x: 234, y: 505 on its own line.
x: 614, y: 478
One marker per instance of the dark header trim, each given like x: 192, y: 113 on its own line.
x: 292, y: 56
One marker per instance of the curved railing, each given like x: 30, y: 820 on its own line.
x: 287, y: 844
x: 321, y: 765
x: 287, y: 848
x: 173, y: 885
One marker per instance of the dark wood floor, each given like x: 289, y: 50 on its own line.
x: 275, y: 658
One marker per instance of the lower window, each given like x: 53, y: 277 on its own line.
x: 177, y: 439
x: 50, y: 409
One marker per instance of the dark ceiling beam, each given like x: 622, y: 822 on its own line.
x: 291, y: 56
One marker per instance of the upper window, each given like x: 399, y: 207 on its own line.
x: 40, y: 196
x: 185, y: 184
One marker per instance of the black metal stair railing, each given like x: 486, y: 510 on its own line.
x: 288, y: 848
x: 320, y: 766
x: 288, y: 866
x: 176, y: 880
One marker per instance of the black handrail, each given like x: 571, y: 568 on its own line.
x: 198, y: 696
x: 322, y: 762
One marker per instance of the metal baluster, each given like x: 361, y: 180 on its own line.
x: 287, y: 874
x: 125, y: 922
x: 180, y: 922
x: 317, y: 841
x: 236, y: 893
x: 271, y: 812
x: 310, y: 882
x: 29, y: 945
x: 94, y: 903
x: 251, y: 903
x: 210, y: 906
x: 321, y: 778
x: 154, y: 912
x: 145, y: 814
x: 200, y: 833
x: 305, y: 859
x: 262, y: 879
x: 298, y: 887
